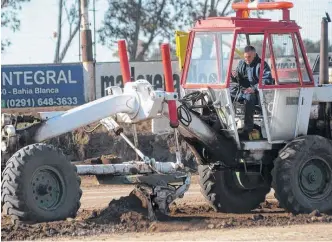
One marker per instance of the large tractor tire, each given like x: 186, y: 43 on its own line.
x: 302, y: 175
x: 39, y: 185
x: 225, y: 193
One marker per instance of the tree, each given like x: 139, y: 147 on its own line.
x: 9, y: 18
x: 213, y: 8
x: 314, y: 47
x: 71, y: 9
x: 143, y: 23
x: 311, y: 46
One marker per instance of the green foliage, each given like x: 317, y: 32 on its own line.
x: 314, y: 46
x: 143, y: 23
x: 71, y: 22
x: 10, y: 18
x: 213, y: 8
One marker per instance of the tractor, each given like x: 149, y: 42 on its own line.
x: 289, y: 150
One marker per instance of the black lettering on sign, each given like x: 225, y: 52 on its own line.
x: 157, y: 81
x: 106, y: 81
x: 176, y: 81
x: 119, y: 81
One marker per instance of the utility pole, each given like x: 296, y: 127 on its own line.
x: 87, y: 57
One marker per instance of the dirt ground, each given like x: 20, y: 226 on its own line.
x: 108, y: 212
x: 312, y: 232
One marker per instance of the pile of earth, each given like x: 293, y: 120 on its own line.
x: 127, y: 215
x: 122, y: 215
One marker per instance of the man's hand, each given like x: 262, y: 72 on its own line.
x: 234, y: 73
x: 249, y: 90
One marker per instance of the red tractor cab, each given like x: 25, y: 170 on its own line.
x: 215, y: 49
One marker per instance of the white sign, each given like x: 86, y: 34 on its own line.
x: 109, y: 74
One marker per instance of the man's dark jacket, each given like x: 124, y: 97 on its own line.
x: 242, y: 73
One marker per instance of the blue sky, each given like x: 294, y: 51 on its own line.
x: 34, y: 43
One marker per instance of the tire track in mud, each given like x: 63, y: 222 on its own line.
x: 109, y: 209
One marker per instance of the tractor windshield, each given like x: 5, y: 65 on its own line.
x: 209, y: 58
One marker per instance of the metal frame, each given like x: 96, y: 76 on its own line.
x: 240, y: 25
x: 254, y: 26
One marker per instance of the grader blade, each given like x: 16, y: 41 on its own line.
x: 157, y: 192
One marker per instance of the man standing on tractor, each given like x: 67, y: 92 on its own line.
x: 247, y: 76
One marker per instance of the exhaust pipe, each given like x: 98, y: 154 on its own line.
x: 325, y: 108
x: 324, y: 58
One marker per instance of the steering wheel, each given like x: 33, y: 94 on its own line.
x: 193, y: 96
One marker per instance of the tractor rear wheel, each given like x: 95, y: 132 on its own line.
x: 302, y: 175
x: 224, y: 192
x: 40, y: 185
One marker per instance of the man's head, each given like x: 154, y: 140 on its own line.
x: 249, y: 54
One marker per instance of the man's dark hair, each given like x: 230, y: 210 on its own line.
x: 249, y: 48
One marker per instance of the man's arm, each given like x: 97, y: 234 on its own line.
x: 237, y: 73
x: 267, y: 77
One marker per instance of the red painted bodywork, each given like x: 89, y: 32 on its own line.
x: 169, y: 84
x: 249, y: 25
x: 124, y: 63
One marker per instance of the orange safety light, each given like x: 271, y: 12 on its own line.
x: 245, y: 13
x: 243, y: 8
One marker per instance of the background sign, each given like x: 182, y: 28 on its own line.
x: 42, y: 85
x: 109, y: 74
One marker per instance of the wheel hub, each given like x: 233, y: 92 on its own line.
x: 314, y: 178
x: 46, y: 188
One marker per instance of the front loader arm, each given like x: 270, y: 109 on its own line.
x: 84, y: 115
x: 138, y: 102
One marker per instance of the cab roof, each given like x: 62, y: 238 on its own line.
x: 245, y: 24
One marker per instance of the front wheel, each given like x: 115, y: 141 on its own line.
x: 40, y: 185
x: 224, y: 192
x: 302, y: 175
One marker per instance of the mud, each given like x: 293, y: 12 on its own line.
x: 127, y: 215
x: 122, y: 215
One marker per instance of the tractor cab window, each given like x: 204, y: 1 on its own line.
x: 303, y: 68
x: 289, y: 59
x: 209, y: 58
x: 247, y: 74
x: 242, y: 40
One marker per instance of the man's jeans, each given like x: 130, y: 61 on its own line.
x: 250, y: 100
